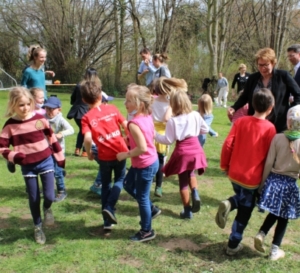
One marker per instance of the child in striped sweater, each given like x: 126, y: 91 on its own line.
x: 31, y: 136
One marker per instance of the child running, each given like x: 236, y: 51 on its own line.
x: 30, y: 135
x: 242, y: 159
x: 39, y: 99
x: 279, y: 190
x: 205, y: 106
x: 61, y: 129
x: 188, y: 155
x: 143, y: 158
x: 101, y: 125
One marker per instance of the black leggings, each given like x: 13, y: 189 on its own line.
x: 159, y: 174
x: 80, y: 136
x: 279, y: 230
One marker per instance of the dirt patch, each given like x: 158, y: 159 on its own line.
x: 130, y: 261
x: 3, y: 223
x: 5, y: 210
x: 207, y: 182
x: 183, y: 244
x: 26, y: 216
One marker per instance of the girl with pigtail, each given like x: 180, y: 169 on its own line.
x: 279, y: 190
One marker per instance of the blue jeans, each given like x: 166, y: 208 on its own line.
x: 208, y: 119
x: 59, y: 176
x: 244, y: 202
x: 95, y: 153
x: 110, y: 195
x: 138, y: 184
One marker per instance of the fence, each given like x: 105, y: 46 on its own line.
x: 6, y: 81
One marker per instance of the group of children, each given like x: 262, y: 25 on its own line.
x: 166, y: 116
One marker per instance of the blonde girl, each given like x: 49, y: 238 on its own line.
x: 39, y: 99
x: 184, y: 127
x: 30, y: 134
x: 205, y: 106
x: 144, y: 162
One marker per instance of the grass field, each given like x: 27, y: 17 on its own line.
x: 77, y: 244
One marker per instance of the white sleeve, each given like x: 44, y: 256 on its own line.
x: 170, y: 134
x: 66, y: 128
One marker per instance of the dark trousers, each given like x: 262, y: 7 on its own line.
x: 159, y: 174
x: 80, y: 136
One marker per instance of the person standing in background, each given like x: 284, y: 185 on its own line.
x: 240, y: 79
x: 222, y: 88
x: 144, y: 71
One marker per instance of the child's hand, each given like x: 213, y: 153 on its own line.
x: 90, y: 156
x: 122, y: 156
x: 59, y: 136
x: 18, y: 158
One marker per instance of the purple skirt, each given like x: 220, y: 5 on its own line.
x: 188, y: 155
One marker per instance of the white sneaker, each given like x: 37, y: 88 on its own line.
x: 276, y: 253
x: 259, y: 241
x: 234, y: 251
x: 222, y: 214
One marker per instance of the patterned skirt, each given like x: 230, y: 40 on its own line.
x: 280, y: 196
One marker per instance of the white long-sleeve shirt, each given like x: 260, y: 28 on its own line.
x: 182, y: 127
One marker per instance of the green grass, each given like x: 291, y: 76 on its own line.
x: 77, y: 244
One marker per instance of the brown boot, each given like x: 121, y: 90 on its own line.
x: 84, y: 154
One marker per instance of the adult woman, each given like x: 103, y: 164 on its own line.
x: 280, y: 82
x: 79, y: 108
x: 34, y: 74
x: 240, y: 79
x: 158, y: 66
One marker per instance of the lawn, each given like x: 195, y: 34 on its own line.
x: 77, y: 244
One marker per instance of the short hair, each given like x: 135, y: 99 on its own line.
x: 180, y: 103
x: 262, y: 100
x: 91, y: 76
x: 267, y: 54
x: 14, y: 95
x: 141, y: 96
x: 90, y: 91
x: 164, y: 85
x: 242, y: 66
x: 205, y: 105
x: 145, y: 50
x: 161, y: 57
x: 295, y: 48
x: 34, y: 51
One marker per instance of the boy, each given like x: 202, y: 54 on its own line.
x: 102, y: 126
x: 242, y: 159
x: 61, y: 129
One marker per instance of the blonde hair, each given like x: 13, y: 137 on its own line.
x: 165, y: 86
x: 14, y: 95
x: 267, y: 54
x: 205, y: 105
x: 161, y: 57
x: 34, y: 90
x: 34, y: 51
x: 242, y: 66
x: 180, y: 103
x: 141, y: 96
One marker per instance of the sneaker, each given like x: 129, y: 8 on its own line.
x: 259, y: 241
x: 39, y: 235
x: 222, y: 214
x: 196, y: 202
x: 233, y: 251
x: 108, y: 226
x: 143, y: 236
x: 110, y: 216
x: 225, y: 106
x: 11, y: 167
x: 155, y: 212
x: 158, y: 191
x: 60, y: 196
x: 276, y: 253
x: 48, y: 217
x: 84, y: 154
x: 186, y: 213
x: 77, y: 152
x: 96, y: 189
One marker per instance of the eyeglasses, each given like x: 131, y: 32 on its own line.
x: 263, y: 65
x: 291, y: 56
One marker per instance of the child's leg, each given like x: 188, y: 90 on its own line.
x: 184, y: 180
x: 60, y: 182
x: 159, y: 175
x: 195, y: 194
x: 48, y: 188
x: 129, y: 182
x: 279, y: 231
x: 33, y: 191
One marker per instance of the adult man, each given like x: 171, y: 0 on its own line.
x: 293, y: 53
x: 143, y: 69
x: 222, y: 87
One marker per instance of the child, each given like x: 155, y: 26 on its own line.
x: 205, y: 106
x: 143, y: 158
x: 101, y: 124
x: 279, y: 190
x: 184, y: 128
x: 39, y: 99
x: 242, y: 159
x: 61, y: 129
x: 28, y: 133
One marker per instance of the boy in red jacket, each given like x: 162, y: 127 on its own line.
x: 242, y: 159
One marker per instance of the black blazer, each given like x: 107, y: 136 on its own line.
x: 297, y: 77
x: 79, y: 108
x: 283, y: 85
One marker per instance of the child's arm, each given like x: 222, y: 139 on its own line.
x: 140, y: 141
x: 168, y: 114
x: 65, y: 129
x: 124, y: 125
x: 87, y: 142
x: 170, y: 135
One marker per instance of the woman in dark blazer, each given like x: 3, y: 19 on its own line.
x: 280, y: 82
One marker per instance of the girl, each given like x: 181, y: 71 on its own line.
x: 25, y: 131
x: 184, y: 128
x: 39, y: 99
x: 158, y: 66
x: 143, y: 158
x: 205, y: 106
x: 279, y: 190
x: 34, y: 74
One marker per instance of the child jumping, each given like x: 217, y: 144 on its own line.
x: 184, y: 127
x: 101, y: 125
x: 279, y: 190
x: 30, y: 135
x: 242, y: 159
x: 205, y: 106
x: 61, y: 129
x: 143, y: 158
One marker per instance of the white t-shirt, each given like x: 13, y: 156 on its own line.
x: 159, y: 108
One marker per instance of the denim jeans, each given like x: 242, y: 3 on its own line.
x: 244, y: 202
x: 138, y: 184
x: 59, y: 176
x: 208, y: 118
x: 95, y: 153
x: 110, y: 195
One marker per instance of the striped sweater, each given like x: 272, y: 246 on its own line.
x: 33, y: 141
